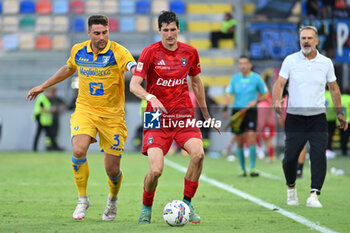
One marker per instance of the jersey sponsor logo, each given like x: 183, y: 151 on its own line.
x: 170, y: 82
x: 94, y: 72
x: 183, y: 61
x: 139, y: 66
x: 151, y: 120
x: 96, y: 89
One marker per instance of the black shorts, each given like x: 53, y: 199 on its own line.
x: 249, y: 121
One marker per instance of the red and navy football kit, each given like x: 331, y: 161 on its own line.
x: 166, y: 74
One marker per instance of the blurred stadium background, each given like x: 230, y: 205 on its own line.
x: 36, y: 37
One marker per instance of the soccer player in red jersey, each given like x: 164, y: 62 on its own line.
x: 165, y: 65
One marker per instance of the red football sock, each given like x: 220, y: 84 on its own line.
x: 148, y: 197
x: 190, y: 188
x: 271, y: 151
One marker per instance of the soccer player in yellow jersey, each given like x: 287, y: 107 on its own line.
x: 101, y: 64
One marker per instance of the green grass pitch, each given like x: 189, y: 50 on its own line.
x: 38, y: 194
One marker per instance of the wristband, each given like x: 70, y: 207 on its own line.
x: 340, y: 112
x: 149, y: 97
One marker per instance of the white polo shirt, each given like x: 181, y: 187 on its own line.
x: 307, y: 82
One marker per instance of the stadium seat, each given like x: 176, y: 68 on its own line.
x: 93, y: 7
x: 127, y: 7
x: 77, y: 7
x: 158, y: 6
x: 226, y: 44
x: 143, y: 7
x: 142, y: 24
x: 10, y: 42
x: 60, y: 24
x: 10, y: 24
x: 213, y: 8
x: 27, y: 24
x: 10, y: 7
x: 113, y: 24
x: 110, y: 7
x: 203, y: 26
x: 26, y: 42
x: 27, y: 7
x: 60, y: 42
x: 178, y: 6
x: 43, y: 24
x: 182, y: 24
x: 43, y: 7
x: 127, y: 24
x: 60, y: 6
x: 43, y: 42
x: 200, y: 44
x: 78, y: 24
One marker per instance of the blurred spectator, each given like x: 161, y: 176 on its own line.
x: 314, y: 8
x: 44, y: 118
x: 341, y: 9
x: 211, y: 104
x: 58, y: 106
x: 344, y: 134
x: 227, y: 30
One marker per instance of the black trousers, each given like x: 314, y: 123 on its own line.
x: 331, y: 129
x: 300, y: 129
x: 216, y: 36
x: 48, y: 133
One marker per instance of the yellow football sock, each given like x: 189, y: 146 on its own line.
x: 81, y: 174
x: 114, y: 184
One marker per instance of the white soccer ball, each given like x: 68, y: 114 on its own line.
x: 176, y: 213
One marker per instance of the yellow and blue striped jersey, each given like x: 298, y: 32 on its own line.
x: 101, y: 78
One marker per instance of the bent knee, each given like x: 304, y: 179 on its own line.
x: 198, y: 157
x: 79, y: 152
x: 156, y: 172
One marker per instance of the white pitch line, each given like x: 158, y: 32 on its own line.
x: 270, y: 176
x: 257, y: 201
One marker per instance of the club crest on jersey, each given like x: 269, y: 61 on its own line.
x: 150, y: 140
x: 105, y: 59
x: 183, y: 61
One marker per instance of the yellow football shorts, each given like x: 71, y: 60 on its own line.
x: 112, y: 131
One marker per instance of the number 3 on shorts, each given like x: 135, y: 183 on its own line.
x: 116, y: 137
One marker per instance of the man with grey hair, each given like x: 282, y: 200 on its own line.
x: 308, y: 72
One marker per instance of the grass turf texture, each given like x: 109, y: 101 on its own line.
x: 38, y: 194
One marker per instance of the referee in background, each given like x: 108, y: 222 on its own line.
x: 308, y: 72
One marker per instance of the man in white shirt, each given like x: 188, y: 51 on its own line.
x: 308, y: 72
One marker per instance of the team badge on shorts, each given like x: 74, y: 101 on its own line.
x: 150, y: 140
x: 183, y: 61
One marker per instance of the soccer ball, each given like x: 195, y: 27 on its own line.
x: 176, y: 213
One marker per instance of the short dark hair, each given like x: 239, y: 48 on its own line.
x: 98, y: 19
x: 244, y: 57
x: 167, y: 17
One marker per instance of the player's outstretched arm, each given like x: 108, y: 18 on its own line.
x: 139, y: 91
x: 63, y: 73
x: 198, y: 90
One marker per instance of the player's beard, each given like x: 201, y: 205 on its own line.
x: 97, y: 44
x: 308, y: 51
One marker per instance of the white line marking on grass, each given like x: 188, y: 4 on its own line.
x: 257, y: 201
x: 270, y: 176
